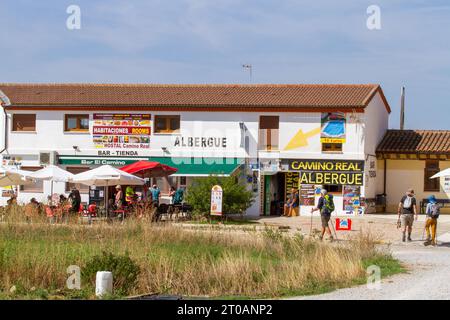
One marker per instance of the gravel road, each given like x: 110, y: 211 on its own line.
x: 428, y: 275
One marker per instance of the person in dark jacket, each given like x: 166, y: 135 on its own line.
x: 75, y: 199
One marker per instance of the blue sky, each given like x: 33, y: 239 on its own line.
x: 207, y: 41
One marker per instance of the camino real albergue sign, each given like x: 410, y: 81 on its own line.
x: 320, y: 171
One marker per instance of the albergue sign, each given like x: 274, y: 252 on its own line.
x: 335, y: 172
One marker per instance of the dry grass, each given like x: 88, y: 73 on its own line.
x: 178, y: 261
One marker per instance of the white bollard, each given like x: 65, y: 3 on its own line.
x: 103, y: 283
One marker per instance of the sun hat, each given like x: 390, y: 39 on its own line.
x: 432, y: 199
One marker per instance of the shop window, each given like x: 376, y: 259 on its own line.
x: 331, y: 147
x: 76, y: 122
x: 24, y: 122
x: 332, y: 188
x: 269, y: 132
x: 81, y: 187
x: 431, y: 168
x: 167, y: 124
x: 37, y: 187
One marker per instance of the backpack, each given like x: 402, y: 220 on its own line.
x: 329, y: 203
x: 407, y: 202
x: 435, y: 210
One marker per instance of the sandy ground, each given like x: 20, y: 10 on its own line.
x: 428, y: 275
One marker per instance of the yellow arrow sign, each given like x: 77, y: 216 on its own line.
x: 301, y: 139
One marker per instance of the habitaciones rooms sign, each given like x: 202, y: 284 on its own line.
x: 121, y: 131
x: 334, y: 172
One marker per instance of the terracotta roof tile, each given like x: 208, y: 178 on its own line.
x: 208, y: 95
x: 415, y: 141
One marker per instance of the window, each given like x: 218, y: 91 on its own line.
x: 165, y: 184
x: 81, y: 187
x: 167, y: 124
x: 268, y: 132
x: 332, y: 188
x: 183, y: 181
x: 331, y: 147
x: 76, y: 122
x: 23, y: 122
x: 38, y: 186
x: 431, y: 168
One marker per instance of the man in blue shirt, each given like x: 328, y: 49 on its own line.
x: 156, y: 193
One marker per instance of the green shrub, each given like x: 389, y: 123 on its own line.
x: 125, y: 271
x: 236, y: 197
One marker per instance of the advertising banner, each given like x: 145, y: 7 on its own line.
x: 334, y: 172
x: 446, y: 186
x: 352, y: 200
x: 343, y: 224
x: 332, y: 127
x: 216, y: 200
x: 307, y: 195
x: 290, y: 181
x: 121, y: 131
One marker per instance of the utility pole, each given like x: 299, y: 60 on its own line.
x: 402, y: 109
x: 249, y: 68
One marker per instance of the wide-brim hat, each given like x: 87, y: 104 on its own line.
x: 432, y: 199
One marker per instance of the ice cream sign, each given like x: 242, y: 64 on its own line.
x: 332, y: 127
x: 120, y: 131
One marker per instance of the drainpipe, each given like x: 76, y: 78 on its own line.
x: 384, y: 178
x: 5, y: 144
x: 4, y: 102
x: 384, y: 184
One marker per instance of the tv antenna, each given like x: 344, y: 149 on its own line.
x: 249, y: 68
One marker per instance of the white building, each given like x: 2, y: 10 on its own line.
x: 320, y: 135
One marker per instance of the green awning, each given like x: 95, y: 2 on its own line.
x: 186, y: 166
x: 201, y: 166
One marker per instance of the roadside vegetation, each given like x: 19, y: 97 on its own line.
x: 166, y: 259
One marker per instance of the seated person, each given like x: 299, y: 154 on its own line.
x: 178, y: 196
x: 92, y: 209
x: 31, y: 210
x: 291, y: 207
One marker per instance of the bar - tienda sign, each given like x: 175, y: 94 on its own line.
x: 334, y: 172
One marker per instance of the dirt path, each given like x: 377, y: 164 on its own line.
x: 428, y: 275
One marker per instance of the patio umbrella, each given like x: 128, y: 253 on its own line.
x: 105, y: 176
x: 443, y: 173
x: 54, y: 174
x: 14, y: 177
x: 149, y: 169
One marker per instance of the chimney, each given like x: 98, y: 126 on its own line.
x: 402, y: 109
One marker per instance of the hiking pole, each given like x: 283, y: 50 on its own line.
x: 332, y: 225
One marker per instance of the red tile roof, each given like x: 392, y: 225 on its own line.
x: 415, y: 141
x: 273, y: 96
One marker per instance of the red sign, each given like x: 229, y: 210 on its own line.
x: 124, y: 131
x: 121, y: 131
x: 343, y: 224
